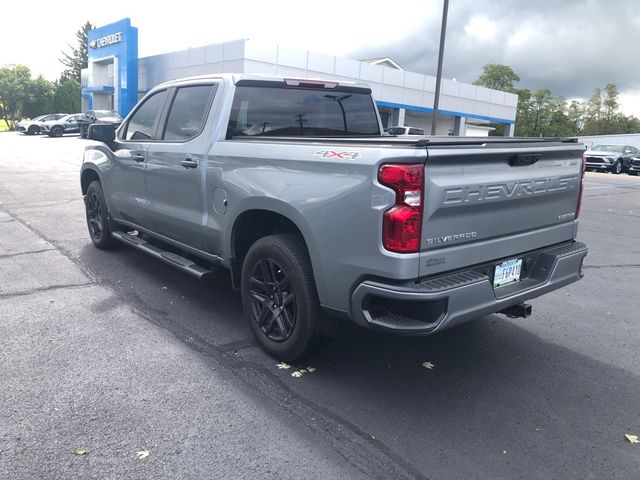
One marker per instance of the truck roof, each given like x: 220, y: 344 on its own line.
x: 237, y: 77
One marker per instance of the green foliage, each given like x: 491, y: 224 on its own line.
x: 497, y: 77
x: 78, y: 57
x: 24, y: 97
x: 540, y: 114
x: 67, y: 96
x: 14, y: 85
x: 39, y: 98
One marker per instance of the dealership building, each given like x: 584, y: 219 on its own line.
x: 116, y: 78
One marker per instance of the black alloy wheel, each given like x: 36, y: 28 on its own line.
x: 94, y: 215
x: 280, y: 300
x: 98, y: 221
x: 33, y: 129
x: 57, y: 131
x: 273, y: 300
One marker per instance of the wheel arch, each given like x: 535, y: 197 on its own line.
x: 87, y: 176
x: 268, y: 217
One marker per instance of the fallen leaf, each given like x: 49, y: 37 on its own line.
x: 296, y: 374
x: 429, y: 365
x: 81, y: 452
x: 311, y: 369
x: 142, y: 454
x: 632, y: 438
x: 283, y: 366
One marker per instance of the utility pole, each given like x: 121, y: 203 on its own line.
x: 436, y: 100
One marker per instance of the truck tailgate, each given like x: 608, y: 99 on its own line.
x: 490, y: 202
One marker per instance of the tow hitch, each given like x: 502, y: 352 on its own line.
x: 521, y: 310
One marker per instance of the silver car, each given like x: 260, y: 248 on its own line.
x: 66, y: 124
x: 32, y: 127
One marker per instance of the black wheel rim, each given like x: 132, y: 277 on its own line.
x: 94, y: 215
x: 273, y: 300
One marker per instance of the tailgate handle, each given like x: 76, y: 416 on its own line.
x: 523, y: 160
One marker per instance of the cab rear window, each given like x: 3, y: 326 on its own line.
x: 303, y: 112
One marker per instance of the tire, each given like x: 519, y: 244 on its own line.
x: 617, y: 168
x: 56, y: 131
x: 33, y: 130
x: 97, y: 215
x: 280, y: 300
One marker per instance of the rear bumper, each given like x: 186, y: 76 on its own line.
x: 442, y: 302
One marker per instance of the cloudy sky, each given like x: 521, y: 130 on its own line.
x: 568, y: 46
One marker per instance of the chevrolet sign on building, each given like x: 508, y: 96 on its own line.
x: 106, y: 40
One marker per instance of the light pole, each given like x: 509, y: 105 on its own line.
x: 436, y: 100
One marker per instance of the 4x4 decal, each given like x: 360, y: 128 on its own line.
x: 340, y: 155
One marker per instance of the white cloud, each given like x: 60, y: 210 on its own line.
x: 481, y: 28
x: 630, y: 102
x: 522, y: 36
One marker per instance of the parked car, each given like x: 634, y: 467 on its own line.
x: 404, y: 131
x: 32, y: 127
x: 634, y: 165
x: 102, y: 116
x: 319, y: 216
x: 66, y: 124
x: 610, y: 158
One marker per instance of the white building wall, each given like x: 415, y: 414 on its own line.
x: 397, y: 87
x: 632, y: 139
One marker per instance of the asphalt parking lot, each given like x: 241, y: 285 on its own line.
x: 114, y: 353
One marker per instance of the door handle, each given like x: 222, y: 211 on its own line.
x: 188, y: 163
x: 137, y: 157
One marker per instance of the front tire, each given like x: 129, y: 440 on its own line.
x: 33, y: 130
x: 98, y: 217
x: 617, y: 168
x: 280, y: 300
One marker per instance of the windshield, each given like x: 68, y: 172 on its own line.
x: 608, y: 148
x: 106, y: 114
x: 275, y: 111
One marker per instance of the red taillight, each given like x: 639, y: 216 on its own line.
x: 402, y: 223
x: 584, y: 169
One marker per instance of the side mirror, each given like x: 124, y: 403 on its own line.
x: 102, y: 132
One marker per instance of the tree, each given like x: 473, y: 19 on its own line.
x: 13, y: 92
x: 497, y: 77
x: 67, y: 96
x: 39, y: 98
x: 576, y: 117
x: 78, y: 58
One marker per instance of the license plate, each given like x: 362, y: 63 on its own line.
x: 507, y: 272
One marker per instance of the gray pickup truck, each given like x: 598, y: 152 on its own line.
x: 291, y: 185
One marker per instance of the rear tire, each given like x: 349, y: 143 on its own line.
x: 97, y: 215
x: 57, y: 131
x: 280, y: 300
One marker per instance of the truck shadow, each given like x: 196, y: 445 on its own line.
x: 497, y: 402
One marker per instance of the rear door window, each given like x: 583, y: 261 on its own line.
x: 280, y: 111
x: 141, y: 125
x: 188, y: 112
